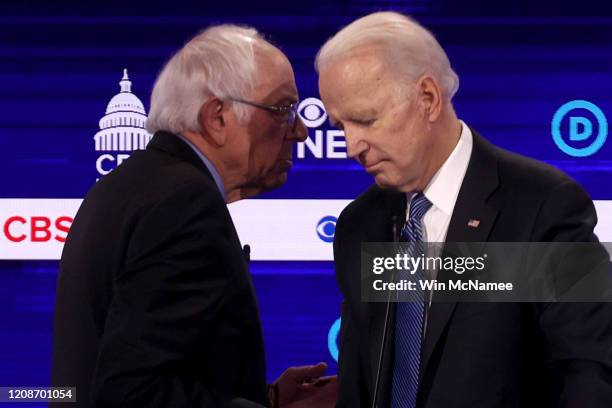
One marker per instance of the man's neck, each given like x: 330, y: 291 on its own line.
x: 447, y: 137
x: 231, y: 182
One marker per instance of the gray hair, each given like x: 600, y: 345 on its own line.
x: 220, y: 61
x: 409, y: 48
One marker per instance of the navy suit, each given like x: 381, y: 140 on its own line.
x: 482, y: 354
x: 155, y: 305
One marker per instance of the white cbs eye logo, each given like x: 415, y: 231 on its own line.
x: 312, y: 112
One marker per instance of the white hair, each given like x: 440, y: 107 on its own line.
x: 407, y: 46
x: 220, y: 61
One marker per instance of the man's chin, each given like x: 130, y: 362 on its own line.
x: 275, y: 181
x: 387, y: 184
x: 277, y: 176
x: 270, y: 181
x: 382, y: 182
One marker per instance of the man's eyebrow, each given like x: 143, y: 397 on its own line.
x: 286, y: 96
x: 285, y: 100
x: 364, y: 113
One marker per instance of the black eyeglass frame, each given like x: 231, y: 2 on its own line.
x: 290, y: 110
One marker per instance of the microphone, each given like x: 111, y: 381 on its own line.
x: 395, y: 223
x: 246, y: 250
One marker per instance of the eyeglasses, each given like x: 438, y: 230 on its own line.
x: 290, y: 110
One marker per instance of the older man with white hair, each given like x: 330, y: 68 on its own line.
x: 155, y: 305
x: 386, y: 81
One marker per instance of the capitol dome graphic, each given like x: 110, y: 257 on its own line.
x: 122, y: 128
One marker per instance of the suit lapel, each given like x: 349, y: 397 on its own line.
x: 472, y: 221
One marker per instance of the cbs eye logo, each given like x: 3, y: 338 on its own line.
x: 326, y: 228
x: 580, y: 140
x: 312, y: 112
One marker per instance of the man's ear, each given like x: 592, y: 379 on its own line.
x: 212, y: 120
x: 430, y: 96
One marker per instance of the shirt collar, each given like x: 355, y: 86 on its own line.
x: 443, y: 189
x: 211, y: 168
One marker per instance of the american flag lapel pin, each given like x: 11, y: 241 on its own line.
x: 472, y: 223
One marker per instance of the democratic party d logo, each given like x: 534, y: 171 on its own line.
x: 580, y: 139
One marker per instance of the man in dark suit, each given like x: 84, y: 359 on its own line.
x: 388, y: 84
x: 155, y: 305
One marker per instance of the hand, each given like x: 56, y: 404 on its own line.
x: 323, y: 394
x: 304, y: 387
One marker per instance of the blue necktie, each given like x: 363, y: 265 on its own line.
x: 409, y: 317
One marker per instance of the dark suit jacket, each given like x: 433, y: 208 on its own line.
x: 155, y: 306
x: 482, y: 354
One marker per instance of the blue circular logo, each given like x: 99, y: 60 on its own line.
x: 580, y: 128
x: 332, y: 339
x: 326, y: 228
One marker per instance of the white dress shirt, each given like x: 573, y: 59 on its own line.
x: 443, y: 189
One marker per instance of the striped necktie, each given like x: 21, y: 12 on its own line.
x: 409, y: 317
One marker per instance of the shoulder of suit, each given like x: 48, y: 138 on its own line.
x: 371, y: 199
x: 529, y: 174
x: 149, y: 175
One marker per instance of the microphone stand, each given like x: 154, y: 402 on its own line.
x: 395, y: 220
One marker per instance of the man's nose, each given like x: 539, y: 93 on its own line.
x: 299, y: 132
x: 355, y: 145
